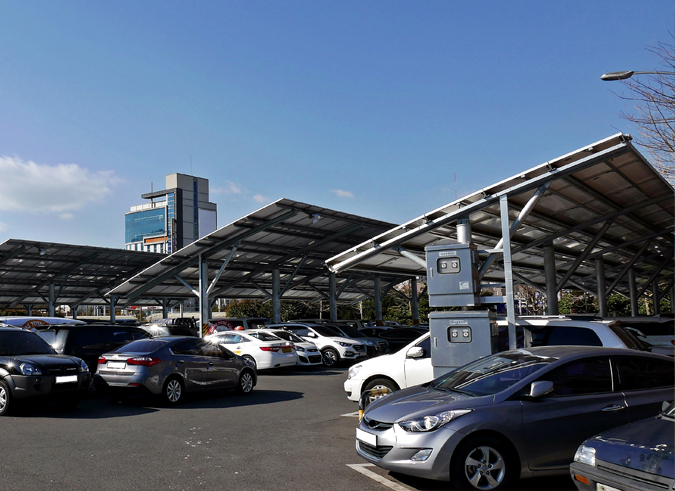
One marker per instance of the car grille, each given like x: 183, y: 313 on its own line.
x: 313, y: 350
x: 376, y: 452
x: 376, y: 425
x: 359, y: 347
x: 315, y: 358
x: 63, y: 371
x: 383, y: 344
x: 633, y: 477
x: 303, y: 359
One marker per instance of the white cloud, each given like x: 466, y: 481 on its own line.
x: 229, y: 188
x: 259, y: 198
x: 61, y: 188
x: 342, y: 194
x: 66, y: 216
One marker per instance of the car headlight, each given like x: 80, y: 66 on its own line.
x: 344, y: 345
x: 353, y: 371
x: 83, y: 366
x: 29, y: 369
x: 299, y: 348
x: 370, y: 343
x: 432, y: 422
x: 585, y: 455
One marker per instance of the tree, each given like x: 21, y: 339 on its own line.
x: 654, y: 114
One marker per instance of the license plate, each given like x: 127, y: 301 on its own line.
x: 66, y: 379
x: 286, y: 350
x: 366, y: 437
x: 603, y: 487
x: 116, y: 365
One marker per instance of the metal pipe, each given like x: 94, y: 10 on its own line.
x: 632, y: 290
x: 112, y: 308
x: 656, y: 294
x: 51, y: 300
x: 551, y: 280
x: 378, y: 300
x: 413, y: 257
x: 414, y: 301
x: 203, y: 294
x: 508, y: 272
x: 276, y: 297
x: 600, y: 279
x: 333, y: 297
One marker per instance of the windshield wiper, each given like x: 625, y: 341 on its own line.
x: 459, y: 391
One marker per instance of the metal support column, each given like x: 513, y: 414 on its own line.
x: 600, y: 279
x: 165, y: 308
x: 30, y: 309
x: 73, y: 312
x: 508, y: 272
x: 333, y: 297
x: 181, y: 309
x: 656, y: 295
x: 276, y: 296
x: 672, y: 299
x: 204, y: 313
x: 112, y: 308
x: 378, y: 301
x: 551, y: 280
x: 414, y: 304
x: 632, y: 290
x: 463, y: 231
x: 51, y: 300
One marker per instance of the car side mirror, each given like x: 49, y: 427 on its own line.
x: 415, y: 352
x: 311, y: 335
x: 540, y: 388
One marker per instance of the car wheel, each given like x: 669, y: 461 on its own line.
x: 251, y: 359
x: 482, y: 463
x: 5, y: 398
x: 173, y: 390
x: 383, y: 384
x: 331, y: 357
x: 245, y: 385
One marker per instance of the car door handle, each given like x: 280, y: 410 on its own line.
x: 210, y: 363
x: 181, y: 361
x: 613, y: 408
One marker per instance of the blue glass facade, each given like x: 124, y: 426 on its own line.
x: 171, y: 214
x: 146, y: 223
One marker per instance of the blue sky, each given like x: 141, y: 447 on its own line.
x: 364, y: 107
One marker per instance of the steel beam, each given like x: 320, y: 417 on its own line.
x: 378, y: 300
x: 187, y: 285
x: 632, y: 290
x: 508, y: 271
x: 600, y: 281
x: 204, y: 313
x: 551, y: 280
x: 414, y: 302
x: 333, y: 297
x: 668, y: 260
x: 628, y: 266
x: 276, y: 296
x: 222, y: 268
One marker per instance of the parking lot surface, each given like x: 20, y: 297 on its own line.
x: 294, y: 432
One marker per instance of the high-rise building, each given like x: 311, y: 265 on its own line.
x: 174, y: 218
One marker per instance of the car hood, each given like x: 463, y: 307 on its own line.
x: 50, y: 362
x: 408, y: 403
x: 645, y: 445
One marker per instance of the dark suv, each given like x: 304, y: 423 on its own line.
x: 29, y: 367
x: 89, y: 341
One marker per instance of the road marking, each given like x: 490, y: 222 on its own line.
x: 376, y: 477
x: 355, y: 414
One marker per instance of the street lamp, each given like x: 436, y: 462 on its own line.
x: 628, y: 74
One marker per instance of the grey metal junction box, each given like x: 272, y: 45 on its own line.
x: 452, y: 274
x: 458, y: 338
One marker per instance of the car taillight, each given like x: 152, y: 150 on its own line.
x: 270, y: 348
x: 101, y: 359
x: 146, y: 361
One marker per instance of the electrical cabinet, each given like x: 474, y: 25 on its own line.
x: 452, y: 274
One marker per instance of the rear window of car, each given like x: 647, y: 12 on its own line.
x: 142, y: 346
x: 263, y: 336
x: 626, y: 338
x: 644, y: 373
x: 564, y: 335
x: 20, y: 342
x: 97, y: 339
x: 652, y: 328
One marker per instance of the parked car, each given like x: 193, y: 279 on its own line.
x: 511, y: 415
x: 89, y: 341
x: 412, y: 364
x: 30, y: 368
x: 172, y: 327
x: 231, y: 323
x: 31, y: 322
x: 260, y: 347
x: 399, y: 337
x: 658, y: 331
x: 175, y: 365
x: 334, y: 349
x: 375, y: 346
x: 308, y: 353
x: 638, y: 456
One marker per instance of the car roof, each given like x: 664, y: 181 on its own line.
x: 582, y: 351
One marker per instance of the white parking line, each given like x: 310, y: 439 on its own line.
x: 355, y: 414
x: 376, y: 477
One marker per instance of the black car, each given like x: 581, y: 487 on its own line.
x: 399, y: 337
x: 638, y: 456
x: 29, y: 367
x: 89, y: 341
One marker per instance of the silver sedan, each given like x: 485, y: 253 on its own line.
x: 172, y: 366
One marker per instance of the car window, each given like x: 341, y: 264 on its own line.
x: 230, y: 339
x: 137, y: 334
x: 425, y: 344
x: 23, y: 343
x: 643, y: 373
x: 210, y: 349
x: 99, y: 339
x: 187, y: 347
x: 263, y: 336
x: 626, y: 337
x: 566, y: 335
x: 590, y: 376
x: 300, y: 331
x: 327, y: 331
x: 142, y: 346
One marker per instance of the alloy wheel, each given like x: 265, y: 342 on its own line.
x: 173, y: 390
x: 484, y: 468
x: 246, y: 382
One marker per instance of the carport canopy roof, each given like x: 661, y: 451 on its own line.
x: 292, y: 237
x: 604, y: 200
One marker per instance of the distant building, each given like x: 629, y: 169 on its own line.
x: 174, y: 218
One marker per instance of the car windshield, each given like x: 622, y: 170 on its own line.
x: 629, y: 339
x: 23, y: 343
x: 351, y: 332
x: 492, y: 374
x: 263, y: 336
x: 289, y: 336
x: 326, y: 331
x: 142, y: 346
x: 670, y: 412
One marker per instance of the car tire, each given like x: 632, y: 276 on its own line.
x: 483, y: 463
x: 246, y: 382
x: 6, y: 399
x: 380, y: 383
x: 251, y: 359
x: 173, y: 390
x: 331, y: 358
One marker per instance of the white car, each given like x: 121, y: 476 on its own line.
x: 308, y: 353
x: 334, y: 349
x: 412, y: 364
x: 261, y: 347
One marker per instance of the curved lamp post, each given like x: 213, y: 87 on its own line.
x: 628, y: 74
